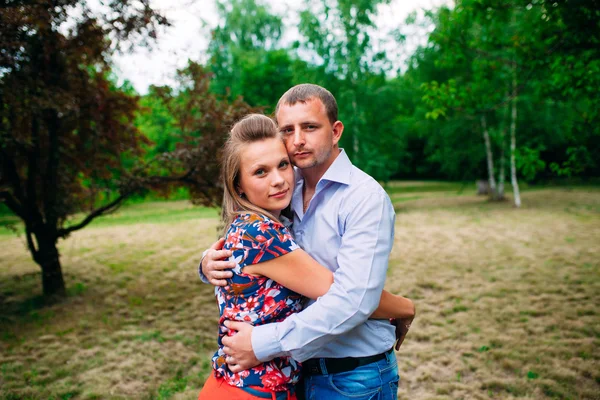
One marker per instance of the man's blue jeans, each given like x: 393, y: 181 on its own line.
x: 375, y: 381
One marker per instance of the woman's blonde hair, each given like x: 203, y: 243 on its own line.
x: 252, y: 128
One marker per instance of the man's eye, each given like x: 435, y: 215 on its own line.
x: 286, y: 131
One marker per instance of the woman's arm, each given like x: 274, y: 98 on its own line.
x: 301, y: 273
x: 394, y: 306
x: 297, y: 271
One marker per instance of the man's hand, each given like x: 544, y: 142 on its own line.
x: 215, y: 264
x: 238, y: 347
x: 402, y: 326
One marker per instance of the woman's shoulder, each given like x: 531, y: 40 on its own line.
x: 254, y: 221
x: 257, y: 233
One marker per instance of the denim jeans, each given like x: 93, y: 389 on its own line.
x: 375, y: 381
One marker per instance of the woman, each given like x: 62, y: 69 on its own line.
x: 273, y: 274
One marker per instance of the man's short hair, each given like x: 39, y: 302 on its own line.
x: 306, y: 91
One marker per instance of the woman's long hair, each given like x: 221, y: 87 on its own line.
x: 252, y: 128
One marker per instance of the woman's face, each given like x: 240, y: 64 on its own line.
x: 266, y: 175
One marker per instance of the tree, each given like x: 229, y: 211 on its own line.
x: 64, y: 126
x: 519, y: 69
x: 338, y: 34
x: 68, y: 143
x: 245, y: 54
x: 201, y: 120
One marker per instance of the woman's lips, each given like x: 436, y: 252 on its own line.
x: 281, y: 194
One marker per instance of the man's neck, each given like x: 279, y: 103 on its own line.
x: 313, y: 175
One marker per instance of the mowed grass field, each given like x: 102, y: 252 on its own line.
x: 507, y: 301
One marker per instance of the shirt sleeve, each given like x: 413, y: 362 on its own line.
x: 355, y: 293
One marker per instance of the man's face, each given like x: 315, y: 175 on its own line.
x: 309, y: 136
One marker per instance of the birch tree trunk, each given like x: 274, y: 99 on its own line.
x: 490, y: 157
x: 513, y: 140
x: 501, y: 175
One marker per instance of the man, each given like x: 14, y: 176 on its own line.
x: 345, y: 220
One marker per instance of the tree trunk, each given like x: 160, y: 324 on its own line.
x: 490, y: 158
x: 513, y: 140
x: 48, y: 259
x: 502, y: 175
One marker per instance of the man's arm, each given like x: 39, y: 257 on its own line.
x: 354, y: 295
x: 214, y: 265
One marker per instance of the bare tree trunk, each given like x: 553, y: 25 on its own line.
x: 45, y: 254
x: 513, y: 140
x: 501, y: 176
x: 53, y: 282
x: 490, y: 158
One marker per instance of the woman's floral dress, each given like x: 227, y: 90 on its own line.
x: 258, y: 300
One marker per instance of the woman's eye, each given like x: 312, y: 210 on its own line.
x: 259, y: 172
x: 284, y: 164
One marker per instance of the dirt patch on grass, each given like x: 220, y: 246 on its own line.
x: 506, y: 300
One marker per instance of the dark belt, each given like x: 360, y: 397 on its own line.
x: 337, y: 365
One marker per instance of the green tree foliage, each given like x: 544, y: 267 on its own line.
x: 157, y: 122
x: 479, y: 46
x: 245, y: 54
x: 200, y: 120
x: 338, y: 33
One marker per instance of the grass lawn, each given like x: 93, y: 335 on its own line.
x: 507, y: 301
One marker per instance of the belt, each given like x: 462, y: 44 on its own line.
x: 268, y: 395
x: 337, y: 365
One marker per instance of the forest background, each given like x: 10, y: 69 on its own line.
x: 500, y: 91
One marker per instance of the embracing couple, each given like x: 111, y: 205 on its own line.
x: 300, y: 272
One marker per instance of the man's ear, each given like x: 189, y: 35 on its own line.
x: 338, y: 129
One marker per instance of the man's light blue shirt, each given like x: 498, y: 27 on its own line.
x: 348, y: 227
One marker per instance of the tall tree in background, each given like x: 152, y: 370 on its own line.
x: 512, y: 67
x: 245, y: 54
x: 339, y: 34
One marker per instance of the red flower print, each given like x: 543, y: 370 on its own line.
x: 257, y: 301
x: 274, y: 379
x: 251, y: 303
x: 263, y: 226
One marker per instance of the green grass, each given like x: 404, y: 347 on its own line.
x: 142, y: 213
x: 506, y: 301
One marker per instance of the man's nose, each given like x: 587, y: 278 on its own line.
x: 299, y: 139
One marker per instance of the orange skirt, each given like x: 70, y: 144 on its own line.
x: 216, y: 388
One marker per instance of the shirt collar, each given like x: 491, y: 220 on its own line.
x: 339, y: 171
